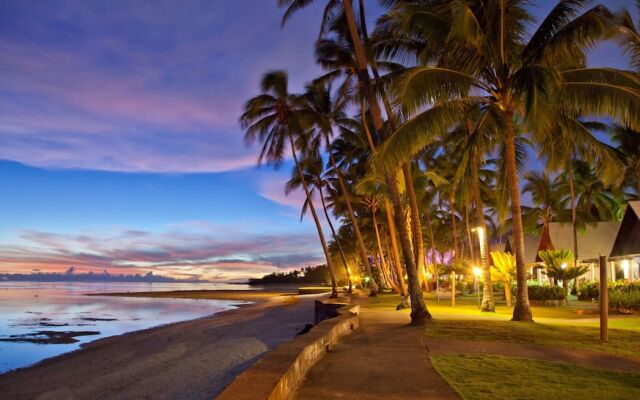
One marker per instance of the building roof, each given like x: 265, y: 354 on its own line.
x: 596, y: 240
x: 530, y: 247
x: 627, y: 241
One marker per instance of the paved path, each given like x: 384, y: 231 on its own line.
x: 384, y: 359
x: 585, y: 358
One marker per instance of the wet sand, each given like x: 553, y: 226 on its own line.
x: 186, y: 360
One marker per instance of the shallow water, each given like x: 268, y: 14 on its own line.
x: 27, y: 308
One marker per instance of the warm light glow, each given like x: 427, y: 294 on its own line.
x: 625, y: 268
x: 564, y: 265
x: 477, y: 271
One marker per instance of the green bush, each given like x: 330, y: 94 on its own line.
x: 621, y: 294
x: 542, y: 293
x: 588, y: 291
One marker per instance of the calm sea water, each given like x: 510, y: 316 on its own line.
x: 27, y: 308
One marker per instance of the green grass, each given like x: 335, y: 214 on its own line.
x: 623, y: 342
x: 484, y: 377
x: 571, y: 326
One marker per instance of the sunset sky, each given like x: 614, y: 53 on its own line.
x: 119, y: 142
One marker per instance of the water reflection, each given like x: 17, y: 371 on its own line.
x: 60, y: 310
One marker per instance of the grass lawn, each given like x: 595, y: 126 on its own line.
x: 484, y: 377
x: 566, y: 326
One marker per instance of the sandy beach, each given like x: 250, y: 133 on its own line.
x: 186, y: 360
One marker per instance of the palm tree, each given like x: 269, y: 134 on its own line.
x: 504, y: 270
x: 628, y: 145
x: 272, y: 119
x: 419, y: 312
x: 325, y: 113
x: 549, y: 198
x: 476, y: 53
x: 312, y: 172
x: 557, y: 267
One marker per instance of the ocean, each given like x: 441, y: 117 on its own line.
x: 39, y: 320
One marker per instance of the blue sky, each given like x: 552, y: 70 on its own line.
x: 119, y: 142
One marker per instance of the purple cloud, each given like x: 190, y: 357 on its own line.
x: 202, y: 253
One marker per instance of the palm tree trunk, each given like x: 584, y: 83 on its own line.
x: 325, y: 248
x: 419, y: 312
x: 469, y: 237
x: 488, y: 302
x: 574, y: 222
x: 454, y: 229
x: 434, y: 258
x: 394, y: 249
x: 373, y: 289
x: 507, y: 292
x: 384, y: 267
x: 416, y: 224
x: 335, y: 238
x: 522, y: 309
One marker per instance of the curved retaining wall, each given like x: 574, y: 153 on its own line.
x: 278, y: 374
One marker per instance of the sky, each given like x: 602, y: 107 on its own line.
x: 119, y: 142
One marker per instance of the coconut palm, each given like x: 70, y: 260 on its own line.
x: 272, y: 119
x: 327, y: 112
x: 480, y: 53
x: 312, y: 173
x: 549, y: 199
x: 628, y: 145
x: 419, y: 312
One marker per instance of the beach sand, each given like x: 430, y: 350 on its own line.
x: 186, y: 360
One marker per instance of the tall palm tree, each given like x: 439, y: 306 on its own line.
x: 549, y: 198
x: 326, y: 113
x: 272, y: 119
x: 312, y: 172
x: 480, y: 53
x: 628, y: 145
x: 419, y: 311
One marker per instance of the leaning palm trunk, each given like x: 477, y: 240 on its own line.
x: 488, y: 302
x: 373, y: 289
x: 384, y: 266
x: 325, y: 248
x: 574, y: 228
x: 394, y: 249
x: 419, y: 312
x: 335, y: 238
x: 388, y: 212
x: 522, y: 309
x: 454, y: 229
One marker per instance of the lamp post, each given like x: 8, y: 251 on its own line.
x: 476, y: 277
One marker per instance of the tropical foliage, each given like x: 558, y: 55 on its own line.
x: 415, y: 138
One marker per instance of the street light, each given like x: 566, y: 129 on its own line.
x: 477, y: 272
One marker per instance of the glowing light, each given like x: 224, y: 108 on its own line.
x: 563, y: 266
x: 625, y: 268
x: 367, y: 279
x: 477, y: 271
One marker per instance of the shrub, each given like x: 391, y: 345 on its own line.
x: 621, y: 294
x: 542, y: 293
x: 588, y: 291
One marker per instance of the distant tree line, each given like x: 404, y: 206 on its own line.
x: 317, y: 274
x: 71, y: 276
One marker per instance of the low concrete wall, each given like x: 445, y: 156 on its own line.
x: 278, y: 374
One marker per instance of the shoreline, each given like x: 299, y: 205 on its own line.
x: 191, y: 359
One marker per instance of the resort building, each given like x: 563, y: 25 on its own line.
x: 626, y: 246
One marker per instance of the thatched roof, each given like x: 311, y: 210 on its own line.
x: 627, y: 241
x: 595, y: 240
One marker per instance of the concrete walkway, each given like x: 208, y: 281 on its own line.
x: 384, y: 359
